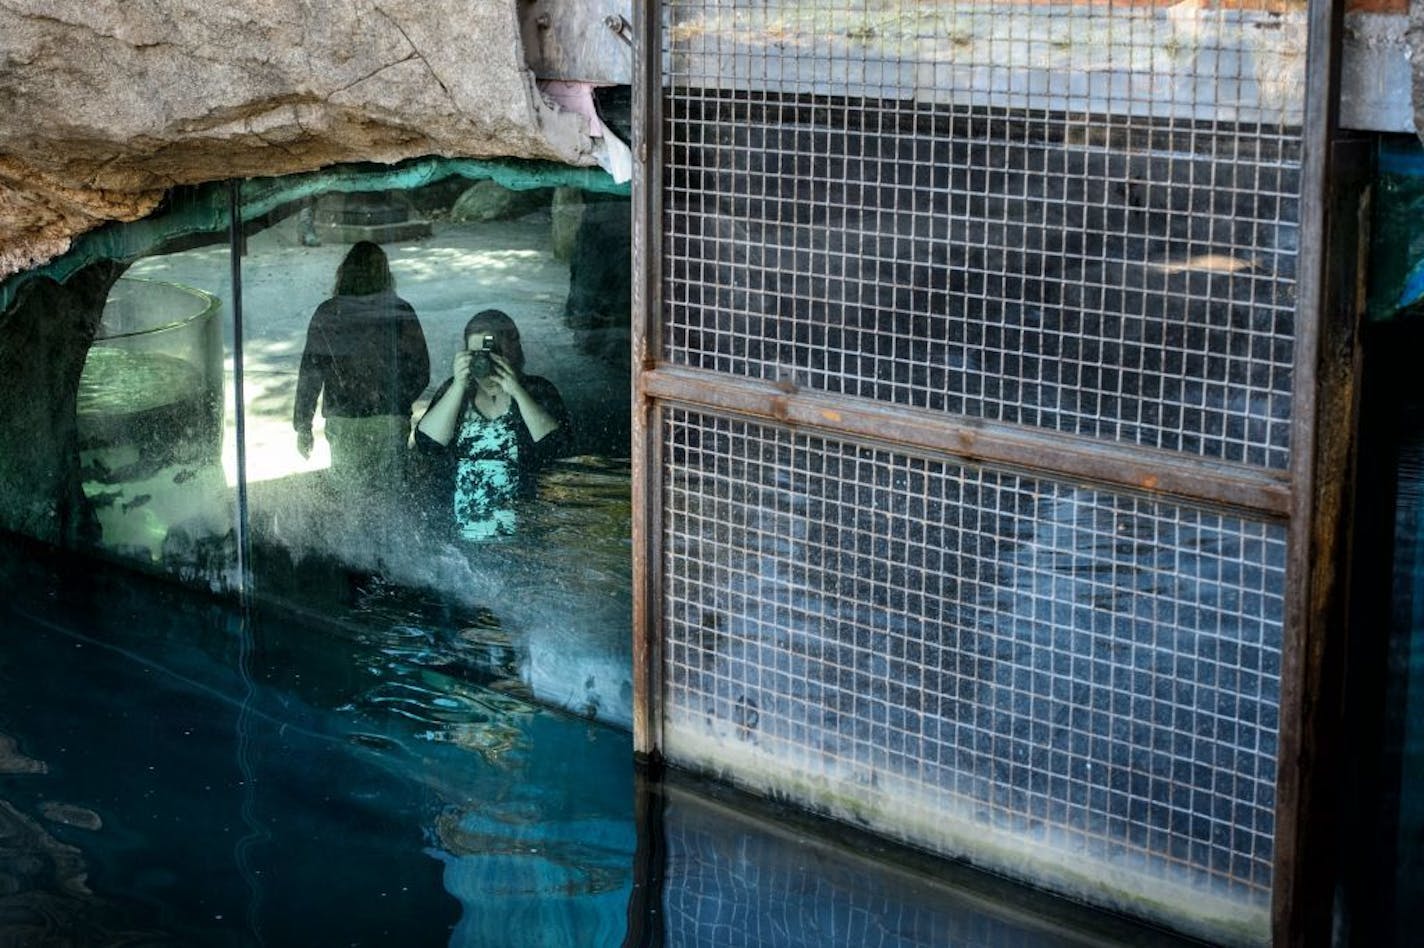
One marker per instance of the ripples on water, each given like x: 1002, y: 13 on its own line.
x: 379, y: 746
x: 549, y: 608
x: 175, y: 773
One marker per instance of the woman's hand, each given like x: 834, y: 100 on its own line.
x: 461, y: 368
x: 438, y: 422
x: 536, y: 419
x: 503, y: 375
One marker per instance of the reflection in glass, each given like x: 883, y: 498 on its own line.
x: 490, y: 429
x: 365, y: 358
x: 149, y: 415
x: 555, y: 261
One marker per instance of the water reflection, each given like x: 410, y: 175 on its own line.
x: 384, y: 763
x: 375, y: 781
x: 551, y: 610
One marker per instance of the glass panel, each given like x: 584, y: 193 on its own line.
x: 1073, y: 685
x: 118, y: 419
x: 150, y: 418
x: 386, y: 493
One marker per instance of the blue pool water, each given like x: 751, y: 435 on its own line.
x: 231, y: 780
x: 175, y: 771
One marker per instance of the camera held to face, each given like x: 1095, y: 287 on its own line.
x: 481, y: 365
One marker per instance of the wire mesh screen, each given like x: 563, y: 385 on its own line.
x: 734, y: 882
x: 1059, y: 681
x: 1076, y: 217
x: 1080, y: 217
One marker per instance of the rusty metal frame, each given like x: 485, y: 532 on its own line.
x: 645, y: 448
x: 1310, y: 498
x: 1330, y: 307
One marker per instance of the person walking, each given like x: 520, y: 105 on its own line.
x: 366, y: 358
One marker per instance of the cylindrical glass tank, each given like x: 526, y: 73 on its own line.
x: 150, y: 417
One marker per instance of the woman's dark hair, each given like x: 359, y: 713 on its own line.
x: 498, y: 324
x: 364, y: 271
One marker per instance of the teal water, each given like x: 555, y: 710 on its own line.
x: 215, y: 779
x: 176, y: 771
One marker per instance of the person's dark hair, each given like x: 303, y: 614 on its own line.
x: 364, y: 271
x: 498, y: 324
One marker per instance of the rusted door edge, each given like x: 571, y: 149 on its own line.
x: 645, y: 446
x: 1329, y: 309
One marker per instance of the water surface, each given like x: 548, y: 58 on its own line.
x: 178, y: 771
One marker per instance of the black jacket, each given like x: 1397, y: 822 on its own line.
x: 367, y: 353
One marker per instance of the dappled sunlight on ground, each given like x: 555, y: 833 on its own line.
x: 447, y: 277
x: 269, y: 380
x: 212, y: 265
x: 271, y: 441
x: 443, y: 263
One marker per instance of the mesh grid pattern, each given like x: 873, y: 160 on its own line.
x: 1081, y: 218
x: 742, y: 887
x: 1090, y: 672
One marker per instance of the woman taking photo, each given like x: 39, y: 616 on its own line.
x: 491, y: 428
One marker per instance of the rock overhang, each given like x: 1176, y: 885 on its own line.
x: 107, y: 105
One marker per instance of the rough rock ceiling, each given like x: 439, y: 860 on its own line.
x: 106, y: 104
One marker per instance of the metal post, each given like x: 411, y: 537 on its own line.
x: 647, y: 307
